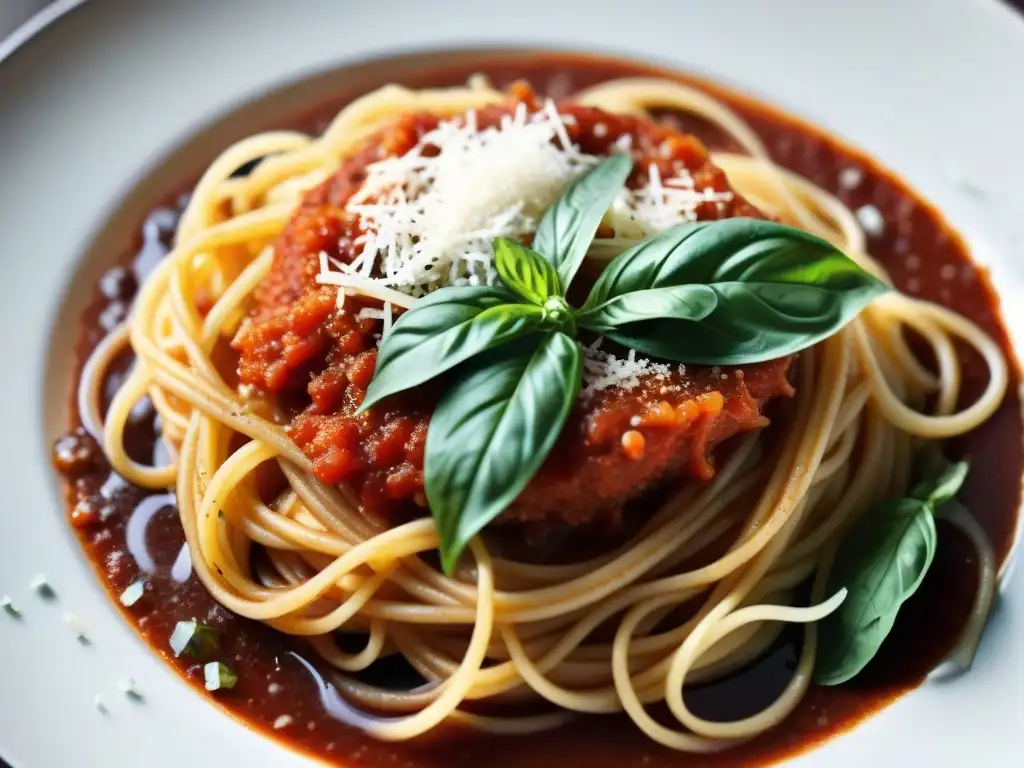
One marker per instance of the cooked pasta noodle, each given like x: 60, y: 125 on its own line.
x: 499, y: 629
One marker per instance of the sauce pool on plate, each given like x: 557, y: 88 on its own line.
x: 131, y: 534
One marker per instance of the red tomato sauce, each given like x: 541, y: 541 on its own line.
x: 923, y: 255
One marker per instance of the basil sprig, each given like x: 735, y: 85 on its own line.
x: 881, y: 562
x: 758, y: 290
x: 725, y: 292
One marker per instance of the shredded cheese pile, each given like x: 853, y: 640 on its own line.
x: 603, y: 370
x: 430, y: 215
x: 658, y: 206
x: 369, y: 313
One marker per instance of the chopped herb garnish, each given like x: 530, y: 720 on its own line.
x: 132, y: 593
x: 42, y: 587
x: 130, y: 688
x: 76, y: 626
x: 8, y: 605
x: 195, y: 639
x: 219, y: 675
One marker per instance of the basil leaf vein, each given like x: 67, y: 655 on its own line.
x: 493, y: 429
x: 692, y: 302
x: 779, y: 290
x: 443, y: 330
x: 567, y: 228
x: 525, y: 271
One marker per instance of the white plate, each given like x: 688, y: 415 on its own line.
x: 931, y: 87
x: 14, y: 12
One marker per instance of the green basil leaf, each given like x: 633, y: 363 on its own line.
x: 492, y: 431
x: 526, y: 272
x: 219, y: 676
x: 194, y: 638
x: 680, y: 302
x: 942, y: 483
x: 881, y: 562
x: 567, y: 228
x: 779, y: 290
x: 443, y: 330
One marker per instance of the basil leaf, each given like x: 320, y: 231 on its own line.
x: 493, y: 429
x: 681, y: 302
x: 779, y: 290
x: 943, y: 485
x: 881, y: 562
x: 567, y: 228
x: 526, y: 272
x: 443, y: 330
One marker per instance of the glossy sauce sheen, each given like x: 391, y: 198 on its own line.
x: 129, y: 533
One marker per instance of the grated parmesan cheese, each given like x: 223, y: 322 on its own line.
x: 871, y: 220
x: 42, y: 587
x: 77, y: 627
x: 603, y: 370
x: 369, y: 313
x: 624, y: 143
x: 850, y: 178
x: 133, y: 593
x: 429, y: 216
x: 130, y: 688
x: 386, y: 315
x: 660, y: 205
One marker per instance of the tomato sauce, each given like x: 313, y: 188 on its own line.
x: 298, y: 348
x: 128, y: 532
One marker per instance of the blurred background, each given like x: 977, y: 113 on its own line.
x: 14, y: 12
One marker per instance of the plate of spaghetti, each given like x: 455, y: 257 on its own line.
x: 518, y: 404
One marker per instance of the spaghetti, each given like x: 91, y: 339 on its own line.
x: 499, y: 629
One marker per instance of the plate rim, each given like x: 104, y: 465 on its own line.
x: 34, y: 25
x: 65, y: 6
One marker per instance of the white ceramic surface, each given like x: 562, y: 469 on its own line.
x: 14, y: 12
x: 934, y: 88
